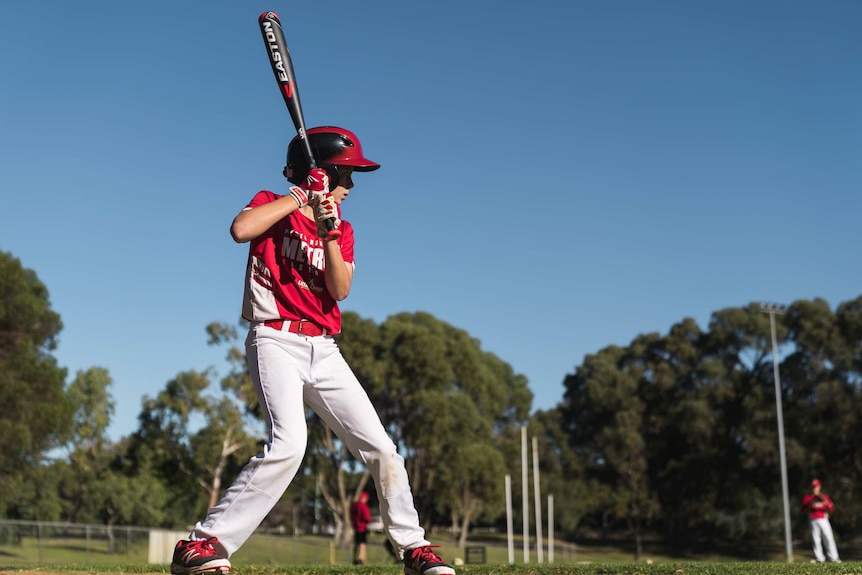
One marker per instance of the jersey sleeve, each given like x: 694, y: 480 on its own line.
x: 261, y: 198
x: 346, y: 242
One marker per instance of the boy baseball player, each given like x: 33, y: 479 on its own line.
x: 293, y: 282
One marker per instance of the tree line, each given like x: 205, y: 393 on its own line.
x: 672, y: 436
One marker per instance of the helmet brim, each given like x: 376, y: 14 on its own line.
x: 366, y: 166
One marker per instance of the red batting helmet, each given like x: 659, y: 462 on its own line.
x: 331, y: 146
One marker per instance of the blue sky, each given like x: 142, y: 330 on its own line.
x: 558, y: 176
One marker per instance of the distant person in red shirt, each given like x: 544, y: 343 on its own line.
x: 360, y: 516
x: 819, y: 506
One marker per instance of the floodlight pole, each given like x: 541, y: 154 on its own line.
x: 773, y: 309
x: 525, y: 492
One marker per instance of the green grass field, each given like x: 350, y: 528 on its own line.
x: 631, y: 568
x: 310, y: 555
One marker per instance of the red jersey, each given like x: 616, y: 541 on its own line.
x: 817, y: 506
x: 284, y: 278
x: 360, y: 514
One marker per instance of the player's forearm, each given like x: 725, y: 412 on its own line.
x: 250, y: 223
x: 338, y: 274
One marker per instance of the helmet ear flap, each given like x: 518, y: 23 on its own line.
x: 295, y: 174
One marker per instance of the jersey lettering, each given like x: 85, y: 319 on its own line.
x: 293, y: 249
x: 317, y: 259
x: 300, y: 252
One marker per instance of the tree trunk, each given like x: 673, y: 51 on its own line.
x: 112, y: 541
x: 465, y: 528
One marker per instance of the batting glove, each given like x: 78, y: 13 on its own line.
x: 316, y: 184
x: 324, y: 209
x: 317, y: 181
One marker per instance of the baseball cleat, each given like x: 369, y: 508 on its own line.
x: 199, y: 558
x: 424, y: 561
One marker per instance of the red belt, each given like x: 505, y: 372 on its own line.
x: 301, y: 326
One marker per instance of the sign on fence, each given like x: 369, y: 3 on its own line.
x: 162, y: 543
x: 475, y: 554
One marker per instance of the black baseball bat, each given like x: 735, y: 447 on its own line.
x: 282, y: 68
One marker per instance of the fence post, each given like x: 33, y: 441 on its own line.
x: 39, y: 540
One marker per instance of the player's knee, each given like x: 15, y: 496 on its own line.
x: 390, y: 475
x: 284, y: 453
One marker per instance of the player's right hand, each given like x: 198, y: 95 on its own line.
x: 325, y: 209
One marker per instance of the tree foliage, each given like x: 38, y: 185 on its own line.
x: 448, y: 405
x: 36, y: 414
x: 89, y: 456
x: 682, y: 427
x: 197, y: 438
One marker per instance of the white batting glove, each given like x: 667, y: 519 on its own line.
x: 301, y: 196
x: 324, y: 209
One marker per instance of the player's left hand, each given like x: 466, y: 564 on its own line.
x: 325, y: 208
x: 317, y: 182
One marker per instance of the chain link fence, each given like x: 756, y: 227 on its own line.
x: 43, y: 542
x: 37, y: 542
x: 27, y: 543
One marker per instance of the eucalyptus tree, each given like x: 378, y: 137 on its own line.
x: 447, y: 403
x: 681, y: 428
x: 88, y: 446
x: 36, y: 416
x: 605, y: 416
x: 195, y: 437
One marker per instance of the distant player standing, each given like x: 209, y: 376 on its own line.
x: 294, y: 281
x: 819, y: 506
x: 360, y: 517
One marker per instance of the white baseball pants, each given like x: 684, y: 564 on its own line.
x: 288, y: 371
x: 821, y: 530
